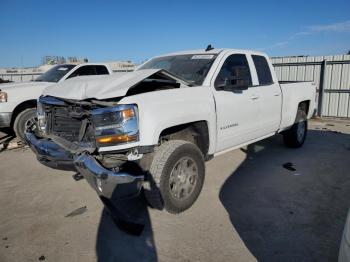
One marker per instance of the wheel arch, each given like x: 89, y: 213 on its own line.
x: 196, y: 132
x: 21, y: 107
x: 305, y: 106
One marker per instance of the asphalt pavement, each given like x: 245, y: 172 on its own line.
x: 263, y: 202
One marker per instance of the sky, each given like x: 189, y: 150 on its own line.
x: 137, y: 30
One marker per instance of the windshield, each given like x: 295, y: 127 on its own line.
x: 192, y: 68
x: 55, y: 74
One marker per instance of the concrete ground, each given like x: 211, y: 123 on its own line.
x: 251, y: 208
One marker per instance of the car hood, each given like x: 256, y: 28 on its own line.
x: 15, y: 86
x: 103, y: 87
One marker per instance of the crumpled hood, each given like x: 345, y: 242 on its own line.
x: 99, y: 87
x: 16, y: 86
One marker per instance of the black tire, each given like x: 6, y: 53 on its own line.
x: 296, y: 135
x: 22, y: 121
x: 171, y: 155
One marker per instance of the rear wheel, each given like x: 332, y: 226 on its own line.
x: 176, y: 176
x: 296, y: 135
x: 25, y: 119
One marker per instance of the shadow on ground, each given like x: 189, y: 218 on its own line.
x: 114, y: 245
x: 284, y: 215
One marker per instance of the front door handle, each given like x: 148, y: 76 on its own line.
x: 254, y: 97
x: 277, y: 94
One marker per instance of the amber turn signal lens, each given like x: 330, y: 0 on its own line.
x: 116, y: 139
x: 128, y: 113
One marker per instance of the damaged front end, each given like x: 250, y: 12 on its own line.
x: 80, y: 136
x: 83, y: 126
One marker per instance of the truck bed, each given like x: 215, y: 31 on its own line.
x: 295, y: 92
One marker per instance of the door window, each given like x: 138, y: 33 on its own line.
x: 234, y: 71
x: 263, y: 70
x: 101, y: 70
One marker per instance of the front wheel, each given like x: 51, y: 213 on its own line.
x: 25, y: 119
x: 296, y: 135
x: 176, y: 176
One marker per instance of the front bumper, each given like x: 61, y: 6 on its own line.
x: 50, y: 154
x: 5, y: 119
x: 109, y: 184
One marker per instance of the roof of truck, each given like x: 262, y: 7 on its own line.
x: 213, y: 51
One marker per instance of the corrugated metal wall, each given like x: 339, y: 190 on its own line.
x: 330, y: 73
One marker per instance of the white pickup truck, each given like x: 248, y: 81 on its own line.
x: 18, y: 100
x: 154, y: 128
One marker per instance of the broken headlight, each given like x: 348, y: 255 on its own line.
x: 41, y: 116
x: 116, y: 125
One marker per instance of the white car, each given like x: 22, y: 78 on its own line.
x: 155, y: 127
x: 18, y: 100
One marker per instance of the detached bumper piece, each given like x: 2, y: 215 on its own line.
x: 107, y: 183
x: 50, y: 154
x: 112, y: 186
x: 114, y: 189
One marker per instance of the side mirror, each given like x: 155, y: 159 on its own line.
x: 240, y: 86
x: 234, y: 83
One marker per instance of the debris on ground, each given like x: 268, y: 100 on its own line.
x: 41, y: 258
x: 289, y: 166
x: 77, y: 176
x: 4, y: 238
x: 78, y: 211
x: 329, y: 125
x: 14, y: 145
x: 10, y: 145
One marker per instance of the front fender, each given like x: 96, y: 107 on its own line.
x: 163, y: 109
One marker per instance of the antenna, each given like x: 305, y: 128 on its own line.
x: 209, y: 47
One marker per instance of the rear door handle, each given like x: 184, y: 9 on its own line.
x: 253, y: 97
x: 277, y: 94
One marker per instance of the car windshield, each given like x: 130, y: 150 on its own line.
x: 193, y: 68
x: 55, y: 74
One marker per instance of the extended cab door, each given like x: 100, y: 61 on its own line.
x: 238, y: 114
x: 270, y: 95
